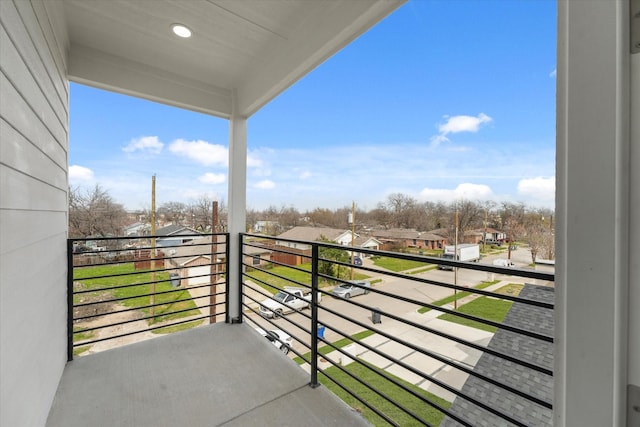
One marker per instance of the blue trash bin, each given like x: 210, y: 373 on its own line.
x: 321, y: 331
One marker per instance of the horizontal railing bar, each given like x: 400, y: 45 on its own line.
x: 381, y: 372
x: 145, y: 271
x: 443, y: 309
x: 426, y: 259
x: 173, y: 290
x: 124, y: 322
x: 357, y: 396
x: 300, y: 284
x: 92, y: 316
x: 144, y: 330
x: 91, y: 239
x: 297, y: 339
x: 280, y: 251
x: 453, y: 363
x: 301, y: 312
x: 443, y: 335
x: 130, y: 285
x: 281, y: 264
x: 447, y: 285
x: 384, y: 395
x: 147, y: 248
x: 427, y: 353
x: 433, y: 380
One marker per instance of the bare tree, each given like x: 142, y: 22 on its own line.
x: 539, y: 233
x: 289, y: 217
x: 200, y: 213
x: 470, y: 216
x: 94, y: 213
x: 401, y: 206
x: 381, y: 215
x: 174, y: 212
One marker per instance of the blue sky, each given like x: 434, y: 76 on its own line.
x: 442, y: 100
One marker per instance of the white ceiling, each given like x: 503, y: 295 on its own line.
x: 247, y: 50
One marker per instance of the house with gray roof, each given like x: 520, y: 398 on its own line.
x: 175, y: 234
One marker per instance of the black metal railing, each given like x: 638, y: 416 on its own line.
x: 122, y: 289
x: 421, y: 345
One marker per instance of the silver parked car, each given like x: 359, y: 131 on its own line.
x: 351, y: 289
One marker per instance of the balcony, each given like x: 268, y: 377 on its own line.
x: 422, y: 346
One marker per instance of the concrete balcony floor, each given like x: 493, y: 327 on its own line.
x: 217, y: 375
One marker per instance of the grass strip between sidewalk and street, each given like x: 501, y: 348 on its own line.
x: 456, y: 296
x: 489, y: 308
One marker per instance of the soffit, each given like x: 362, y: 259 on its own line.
x: 243, y: 50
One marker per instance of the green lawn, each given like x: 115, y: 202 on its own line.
x: 483, y: 307
x: 395, y: 264
x: 456, y: 296
x: 425, y: 411
x: 162, y: 312
x: 79, y: 334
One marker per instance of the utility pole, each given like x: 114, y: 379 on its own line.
x: 484, y: 236
x: 152, y: 257
x: 352, y: 220
x: 509, y: 239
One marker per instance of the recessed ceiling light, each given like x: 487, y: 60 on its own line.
x: 181, y: 31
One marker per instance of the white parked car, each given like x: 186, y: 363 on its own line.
x: 351, y: 289
x: 503, y: 262
x: 285, y: 343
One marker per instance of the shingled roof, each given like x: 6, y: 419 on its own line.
x: 312, y: 233
x: 530, y: 381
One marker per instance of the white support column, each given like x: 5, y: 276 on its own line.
x: 237, y: 203
x: 593, y: 211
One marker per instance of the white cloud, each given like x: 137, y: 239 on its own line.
x: 553, y: 73
x: 438, y: 139
x: 212, y: 178
x: 457, y: 124
x: 253, y: 162
x: 542, y: 189
x: 266, y: 185
x: 305, y: 175
x: 467, y: 191
x: 149, y: 144
x: 201, y: 152
x: 80, y: 173
x: 208, y: 154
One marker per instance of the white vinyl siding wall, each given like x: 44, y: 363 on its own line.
x: 33, y: 208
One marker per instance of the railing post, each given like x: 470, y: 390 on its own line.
x: 239, y: 319
x: 314, y: 315
x: 69, y: 300
x: 227, y: 245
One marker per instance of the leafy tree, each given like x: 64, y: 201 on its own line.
x: 327, y: 256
